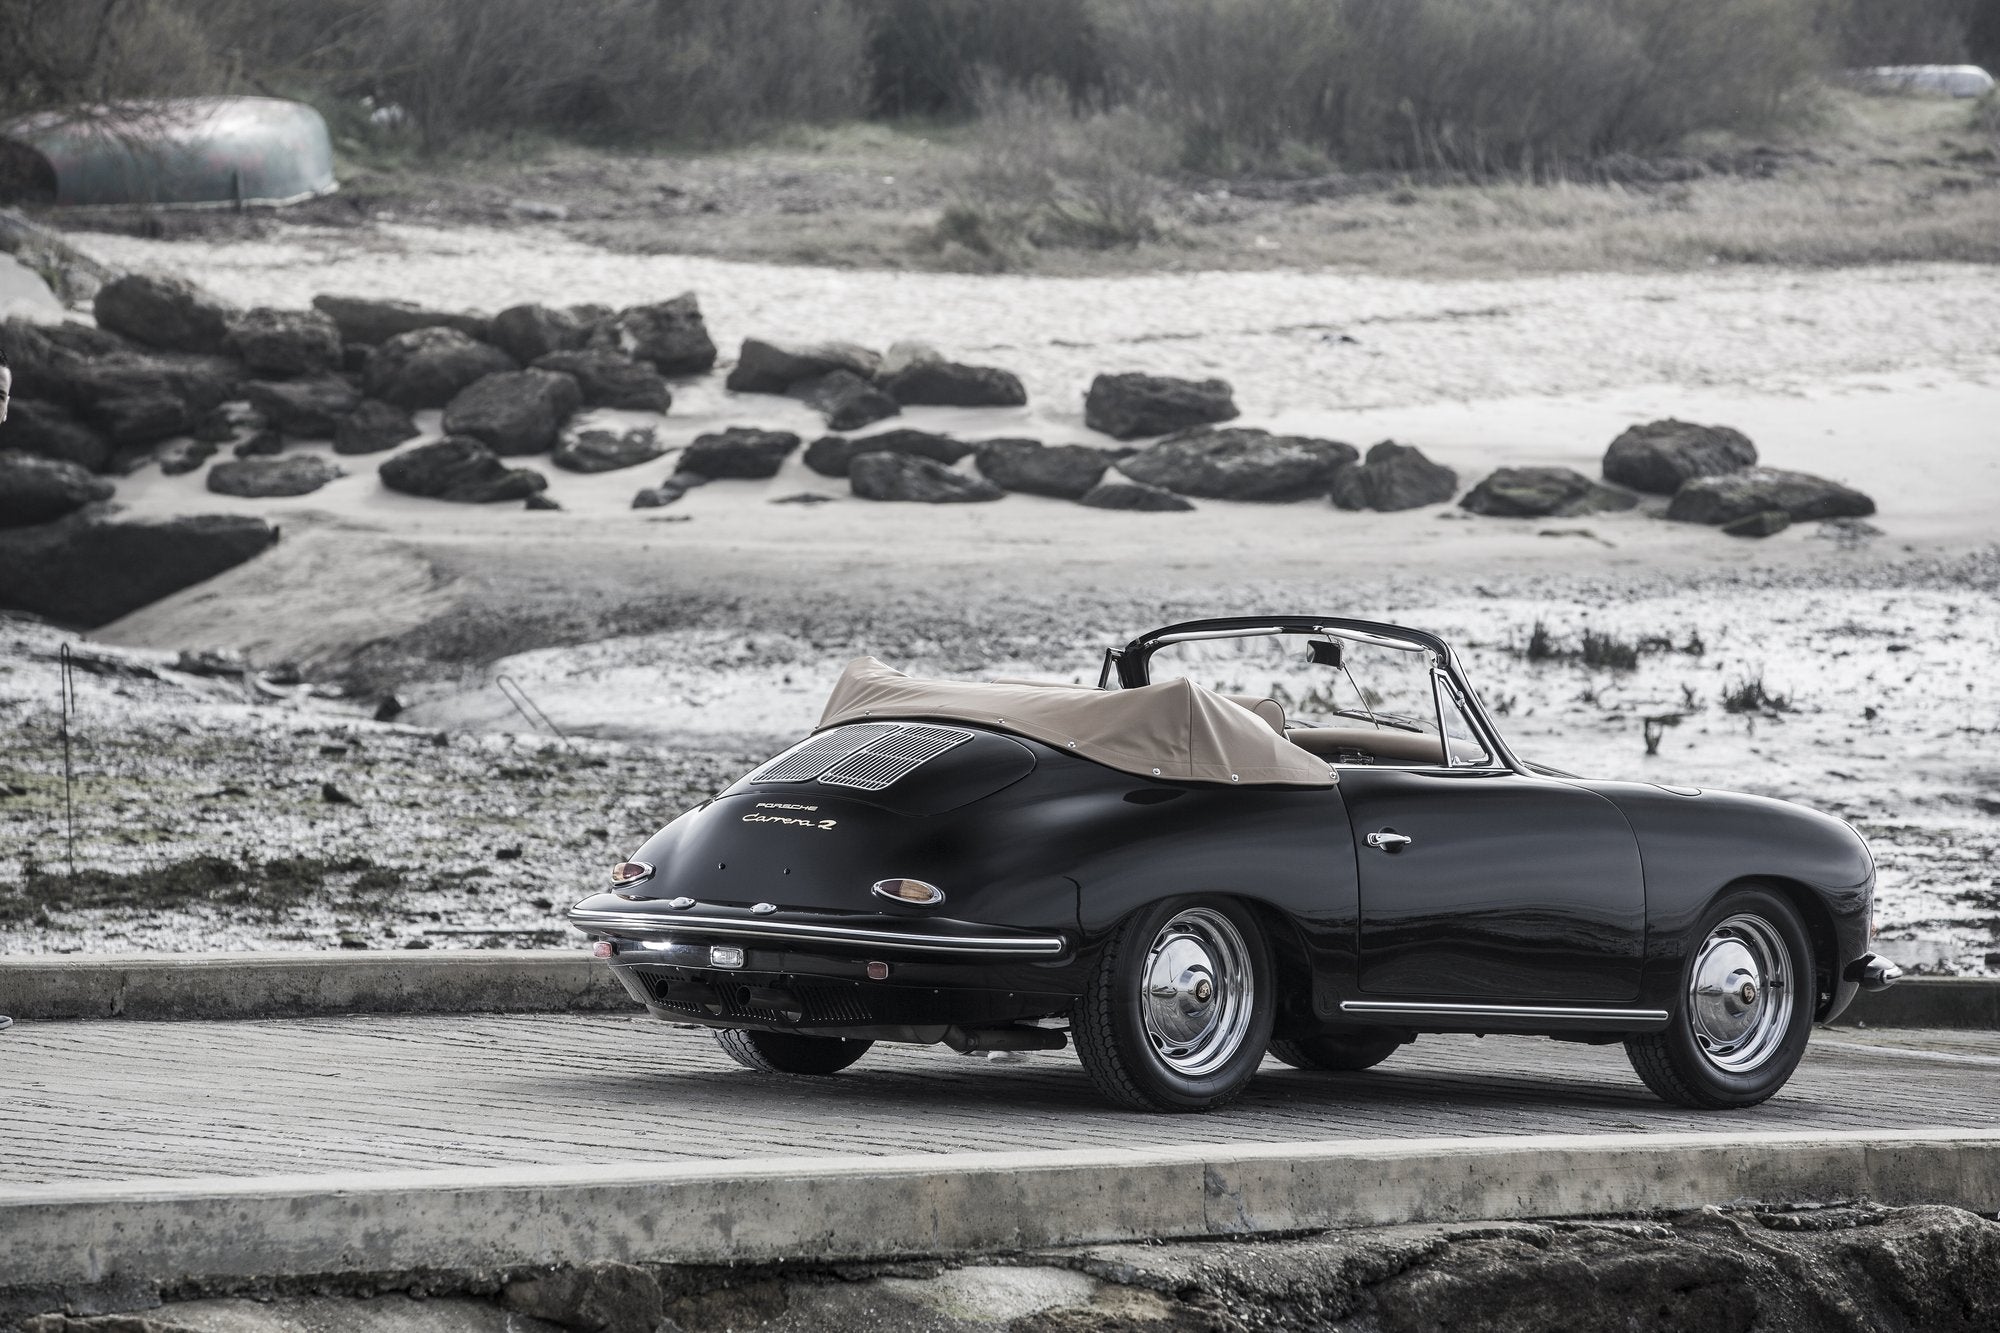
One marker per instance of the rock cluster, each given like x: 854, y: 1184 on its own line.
x: 1240, y: 464
x: 1126, y: 407
x: 299, y: 474
x: 1544, y: 492
x: 459, y: 468
x: 854, y: 386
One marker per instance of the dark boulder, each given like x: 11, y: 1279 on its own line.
x: 1240, y: 464
x: 218, y: 425
x: 264, y: 443
x: 1734, y: 495
x: 657, y: 497
x: 257, y: 478
x: 1768, y: 523
x: 1658, y: 456
x: 931, y: 381
x: 304, y: 409
x: 740, y: 453
x: 370, y: 322
x: 831, y: 455
x: 894, y: 476
x: 34, y: 489
x: 1134, y: 495
x: 50, y: 430
x: 178, y: 456
x: 371, y: 427
x: 540, y: 502
x: 1544, y: 492
x: 768, y: 367
x: 284, y: 343
x: 1067, y: 471
x: 671, y: 335
x: 668, y: 491
x: 460, y: 469
x: 86, y: 573
x: 165, y: 312
x: 530, y: 332
x: 611, y: 379
x: 140, y: 400
x: 427, y: 367
x: 1394, y: 476
x: 1128, y: 406
x: 848, y: 401
x: 514, y: 412
x: 607, y: 451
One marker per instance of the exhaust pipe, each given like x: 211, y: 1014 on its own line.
x: 973, y: 1041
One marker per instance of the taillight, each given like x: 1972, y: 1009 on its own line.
x: 627, y: 873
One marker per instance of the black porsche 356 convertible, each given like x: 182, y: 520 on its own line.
x: 1281, y: 834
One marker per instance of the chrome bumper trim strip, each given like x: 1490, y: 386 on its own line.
x: 1497, y: 1010
x: 659, y: 927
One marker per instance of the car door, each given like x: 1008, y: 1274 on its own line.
x: 1490, y: 884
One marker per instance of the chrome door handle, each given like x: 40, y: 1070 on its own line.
x: 1388, y: 840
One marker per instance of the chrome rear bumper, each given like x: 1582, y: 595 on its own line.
x: 649, y: 925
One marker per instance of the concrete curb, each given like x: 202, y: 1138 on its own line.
x: 875, y: 1207
x: 300, y: 985
x: 1929, y: 1002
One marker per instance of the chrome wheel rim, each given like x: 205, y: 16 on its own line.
x: 1740, y: 994
x: 1198, y: 992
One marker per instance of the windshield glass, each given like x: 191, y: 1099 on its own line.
x: 1371, y: 686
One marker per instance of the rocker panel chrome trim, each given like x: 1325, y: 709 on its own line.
x: 1039, y: 946
x: 1498, y: 1010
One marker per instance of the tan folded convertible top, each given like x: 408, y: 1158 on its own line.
x: 1175, y: 729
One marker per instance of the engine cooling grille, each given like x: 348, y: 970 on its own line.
x: 808, y: 759
x: 868, y: 756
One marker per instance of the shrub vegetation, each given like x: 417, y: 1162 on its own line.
x: 1524, y: 86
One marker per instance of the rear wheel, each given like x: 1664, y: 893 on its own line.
x: 1339, y: 1053
x: 789, y: 1052
x: 1177, y: 1014
x: 1745, y: 1010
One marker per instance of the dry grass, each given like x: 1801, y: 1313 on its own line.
x: 1868, y: 181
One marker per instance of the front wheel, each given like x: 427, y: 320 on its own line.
x: 789, y: 1052
x: 1177, y: 1013
x: 1745, y: 1008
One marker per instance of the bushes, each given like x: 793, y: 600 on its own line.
x: 1475, y: 85
x: 1048, y: 173
x: 933, y: 57
x: 1527, y: 86
x: 655, y: 70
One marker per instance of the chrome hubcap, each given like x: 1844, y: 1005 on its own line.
x: 1198, y: 991
x: 1739, y: 994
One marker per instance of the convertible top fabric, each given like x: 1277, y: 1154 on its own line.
x: 1175, y: 729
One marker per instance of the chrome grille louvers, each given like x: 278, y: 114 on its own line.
x: 882, y: 762
x: 810, y: 758
x: 868, y: 756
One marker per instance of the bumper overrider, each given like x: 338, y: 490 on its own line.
x: 873, y: 977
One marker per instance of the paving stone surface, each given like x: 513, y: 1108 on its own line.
x: 117, y: 1100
